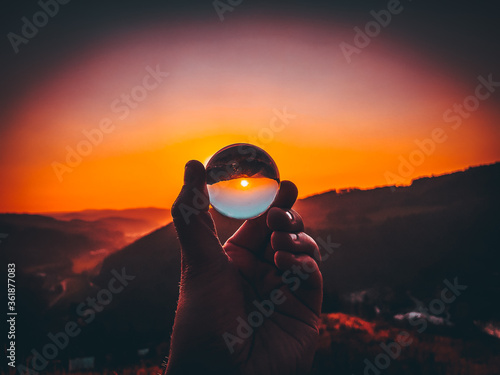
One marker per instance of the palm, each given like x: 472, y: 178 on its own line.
x: 285, y: 341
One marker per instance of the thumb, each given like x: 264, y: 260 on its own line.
x: 193, y: 223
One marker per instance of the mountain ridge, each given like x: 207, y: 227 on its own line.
x: 397, y: 246
x: 388, y: 239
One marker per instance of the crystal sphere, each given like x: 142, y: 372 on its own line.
x: 242, y: 181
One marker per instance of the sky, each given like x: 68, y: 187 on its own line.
x: 106, y: 103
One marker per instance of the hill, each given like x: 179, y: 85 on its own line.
x: 397, y: 248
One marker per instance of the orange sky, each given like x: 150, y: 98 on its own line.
x: 350, y: 124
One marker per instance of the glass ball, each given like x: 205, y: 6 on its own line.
x: 242, y: 181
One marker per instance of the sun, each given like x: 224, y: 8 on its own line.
x: 244, y: 183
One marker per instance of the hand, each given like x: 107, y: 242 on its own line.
x: 269, y: 262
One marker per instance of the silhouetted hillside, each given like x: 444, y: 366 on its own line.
x: 410, y: 239
x: 397, y: 248
x: 398, y: 245
x: 56, y: 260
x: 37, y: 241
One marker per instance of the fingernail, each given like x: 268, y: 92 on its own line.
x: 289, y: 214
x: 294, y: 236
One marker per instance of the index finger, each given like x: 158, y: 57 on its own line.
x: 255, y: 233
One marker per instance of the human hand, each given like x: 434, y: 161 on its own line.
x: 269, y: 262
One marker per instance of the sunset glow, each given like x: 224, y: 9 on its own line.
x: 113, y: 127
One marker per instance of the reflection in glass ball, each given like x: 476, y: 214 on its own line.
x: 242, y: 181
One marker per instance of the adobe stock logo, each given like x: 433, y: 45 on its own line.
x: 40, y: 19
x: 57, y: 342
x: 123, y: 106
x: 391, y: 350
x: 292, y: 279
x: 455, y: 116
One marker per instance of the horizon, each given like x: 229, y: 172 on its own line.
x: 342, y: 190
x: 112, y: 122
